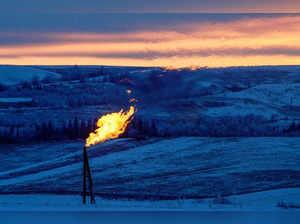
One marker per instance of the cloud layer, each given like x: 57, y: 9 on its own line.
x: 97, y: 6
x: 235, y: 41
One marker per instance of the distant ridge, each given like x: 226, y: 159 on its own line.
x: 11, y: 75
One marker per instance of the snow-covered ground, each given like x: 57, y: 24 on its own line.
x: 11, y: 75
x: 183, y: 173
x: 15, y: 100
x: 260, y: 201
x: 187, y: 167
x: 183, y: 99
x: 274, y: 94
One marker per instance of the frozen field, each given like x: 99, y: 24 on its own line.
x: 162, y: 172
x: 261, y: 201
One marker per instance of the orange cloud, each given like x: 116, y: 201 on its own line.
x: 249, y: 41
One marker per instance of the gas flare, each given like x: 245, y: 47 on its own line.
x: 110, y: 126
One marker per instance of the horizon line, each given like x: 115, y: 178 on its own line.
x: 103, y: 65
x: 165, y: 12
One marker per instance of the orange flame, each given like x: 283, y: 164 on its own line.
x: 110, y: 126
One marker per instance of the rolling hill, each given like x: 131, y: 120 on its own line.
x: 11, y: 75
x: 186, y: 167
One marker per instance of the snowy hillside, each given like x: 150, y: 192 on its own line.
x: 11, y: 75
x: 167, y: 169
x: 224, y: 102
x: 274, y: 94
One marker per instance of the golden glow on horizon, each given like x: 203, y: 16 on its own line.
x: 258, y: 41
x: 211, y: 61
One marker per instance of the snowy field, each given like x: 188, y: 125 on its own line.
x: 261, y: 201
x: 181, y: 173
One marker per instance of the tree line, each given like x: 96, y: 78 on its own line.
x: 141, y: 128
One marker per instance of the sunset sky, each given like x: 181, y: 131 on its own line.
x: 150, y: 33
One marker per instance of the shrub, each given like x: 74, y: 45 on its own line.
x: 25, y: 85
x: 3, y: 87
x: 35, y: 80
x: 286, y: 205
x: 220, y: 200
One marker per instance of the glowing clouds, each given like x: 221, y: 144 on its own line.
x: 247, y: 41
